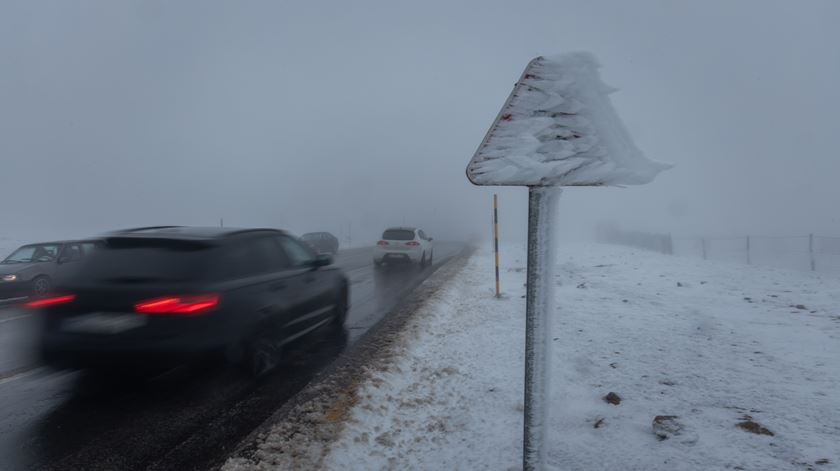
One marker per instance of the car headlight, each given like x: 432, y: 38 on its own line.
x: 9, y: 277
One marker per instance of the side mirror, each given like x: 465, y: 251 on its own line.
x: 322, y: 260
x: 431, y: 239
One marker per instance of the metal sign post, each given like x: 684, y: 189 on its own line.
x: 539, y: 302
x: 557, y: 128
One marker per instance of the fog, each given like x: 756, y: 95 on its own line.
x: 352, y: 116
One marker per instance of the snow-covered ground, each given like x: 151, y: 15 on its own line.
x: 713, y: 344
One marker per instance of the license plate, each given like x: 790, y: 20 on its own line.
x: 103, y: 323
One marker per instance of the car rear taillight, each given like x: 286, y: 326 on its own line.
x: 51, y: 301
x: 382, y: 242
x: 413, y: 243
x: 188, y: 304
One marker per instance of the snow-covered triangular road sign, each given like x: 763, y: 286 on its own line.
x: 559, y: 128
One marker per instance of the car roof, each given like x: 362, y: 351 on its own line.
x: 60, y: 242
x: 401, y: 229
x: 188, y: 232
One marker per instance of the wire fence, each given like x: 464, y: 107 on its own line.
x: 806, y: 252
x: 812, y: 252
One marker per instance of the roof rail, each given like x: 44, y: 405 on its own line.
x: 146, y: 228
x: 255, y: 229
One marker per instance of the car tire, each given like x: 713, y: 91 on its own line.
x: 423, y: 261
x: 261, y: 355
x: 41, y: 286
x: 340, y: 310
x: 377, y: 264
x: 431, y: 257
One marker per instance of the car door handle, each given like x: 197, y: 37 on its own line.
x: 277, y: 286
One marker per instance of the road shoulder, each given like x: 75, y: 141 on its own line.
x: 298, y: 435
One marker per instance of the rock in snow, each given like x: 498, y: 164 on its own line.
x: 613, y: 398
x: 666, y: 426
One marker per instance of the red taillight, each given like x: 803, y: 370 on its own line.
x: 413, y: 243
x: 52, y: 301
x: 191, y: 304
x: 382, y: 242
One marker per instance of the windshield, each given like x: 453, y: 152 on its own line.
x: 33, y: 254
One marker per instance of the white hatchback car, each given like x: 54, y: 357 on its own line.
x: 404, y: 245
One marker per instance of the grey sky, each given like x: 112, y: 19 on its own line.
x: 315, y: 115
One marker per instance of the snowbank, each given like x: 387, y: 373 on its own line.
x: 705, y: 360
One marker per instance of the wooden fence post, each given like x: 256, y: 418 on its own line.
x: 703, y: 243
x: 748, y: 250
x: 811, y: 251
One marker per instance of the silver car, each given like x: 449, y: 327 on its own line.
x: 30, y: 270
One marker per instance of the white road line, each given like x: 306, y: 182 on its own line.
x: 21, y: 375
x: 9, y: 319
x: 10, y: 301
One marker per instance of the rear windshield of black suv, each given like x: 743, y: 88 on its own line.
x: 147, y: 260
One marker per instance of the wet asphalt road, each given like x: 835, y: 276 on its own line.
x: 189, y: 418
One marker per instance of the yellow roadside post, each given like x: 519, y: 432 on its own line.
x: 496, y: 240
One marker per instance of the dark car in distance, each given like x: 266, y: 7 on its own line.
x: 321, y: 242
x: 30, y: 270
x: 163, y: 295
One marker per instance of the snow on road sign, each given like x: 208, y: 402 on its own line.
x: 558, y: 128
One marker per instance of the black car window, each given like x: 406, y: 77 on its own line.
x: 89, y: 247
x: 253, y: 257
x: 422, y: 235
x: 398, y: 234
x: 299, y: 255
x: 71, y: 253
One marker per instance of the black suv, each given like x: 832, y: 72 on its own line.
x: 164, y: 294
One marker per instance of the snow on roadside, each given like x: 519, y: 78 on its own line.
x: 712, y: 344
x: 450, y: 396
